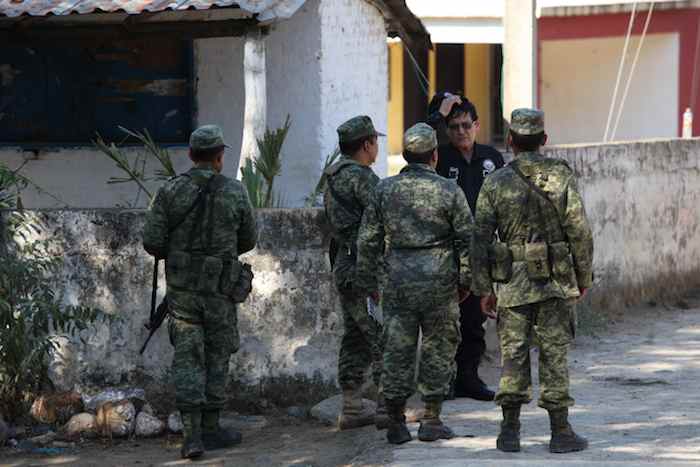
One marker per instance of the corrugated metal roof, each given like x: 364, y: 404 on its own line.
x: 13, y: 8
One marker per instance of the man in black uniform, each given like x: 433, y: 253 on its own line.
x: 467, y: 162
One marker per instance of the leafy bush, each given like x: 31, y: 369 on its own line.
x: 32, y: 316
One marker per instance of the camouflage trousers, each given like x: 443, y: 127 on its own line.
x: 203, y: 331
x: 548, y: 324
x: 360, y: 347
x: 437, y: 318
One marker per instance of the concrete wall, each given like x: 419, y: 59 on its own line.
x: 315, y: 74
x: 576, y: 94
x: 643, y: 200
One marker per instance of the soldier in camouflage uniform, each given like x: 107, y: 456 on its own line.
x: 350, y: 182
x: 543, y: 264
x: 200, y: 222
x: 420, y: 224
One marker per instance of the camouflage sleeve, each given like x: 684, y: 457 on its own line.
x: 248, y: 231
x: 370, y: 247
x: 155, y: 231
x: 463, y: 225
x: 365, y: 186
x: 484, y: 228
x: 579, y: 234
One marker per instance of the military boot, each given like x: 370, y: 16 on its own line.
x: 352, y: 416
x: 192, y: 447
x: 397, y: 432
x: 216, y: 437
x: 509, y: 438
x: 431, y: 427
x: 563, y: 437
x: 381, y: 418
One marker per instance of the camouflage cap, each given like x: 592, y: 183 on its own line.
x: 527, y: 121
x: 207, y: 137
x: 356, y: 128
x: 420, y: 138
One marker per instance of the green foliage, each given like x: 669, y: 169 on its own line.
x: 259, y: 177
x: 135, y: 171
x: 32, y: 317
x: 320, y: 188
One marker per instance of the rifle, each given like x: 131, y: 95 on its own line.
x: 157, y: 314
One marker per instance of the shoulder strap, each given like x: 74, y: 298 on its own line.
x: 540, y: 192
x: 201, y: 204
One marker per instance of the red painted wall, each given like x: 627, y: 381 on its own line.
x: 685, y: 22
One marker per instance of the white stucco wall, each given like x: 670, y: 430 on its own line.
x: 578, y: 79
x: 220, y: 92
x: 354, y: 78
x: 293, y: 88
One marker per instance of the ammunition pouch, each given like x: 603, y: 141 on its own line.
x: 209, y: 275
x: 501, y: 262
x: 237, y: 281
x: 537, y: 261
x: 345, y: 266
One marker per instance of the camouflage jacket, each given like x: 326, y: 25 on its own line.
x: 353, y: 183
x: 508, y: 205
x: 230, y: 215
x: 420, y: 223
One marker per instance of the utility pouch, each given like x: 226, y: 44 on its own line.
x: 244, y: 283
x: 501, y: 262
x: 562, y: 263
x: 537, y: 261
x: 177, y: 269
x: 210, y: 274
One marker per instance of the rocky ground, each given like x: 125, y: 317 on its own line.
x: 637, y: 402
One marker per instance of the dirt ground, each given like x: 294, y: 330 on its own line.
x: 637, y: 401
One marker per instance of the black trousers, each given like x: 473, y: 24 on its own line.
x: 473, y: 344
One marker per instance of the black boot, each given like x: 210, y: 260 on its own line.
x: 563, y: 437
x: 509, y: 438
x: 431, y: 427
x: 397, y: 432
x: 192, y: 447
x: 214, y: 436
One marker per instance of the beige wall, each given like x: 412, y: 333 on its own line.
x: 578, y: 78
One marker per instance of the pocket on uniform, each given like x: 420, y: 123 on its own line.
x: 210, y: 275
x: 562, y: 264
x: 177, y: 269
x: 537, y: 261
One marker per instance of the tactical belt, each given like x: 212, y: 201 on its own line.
x: 518, y: 250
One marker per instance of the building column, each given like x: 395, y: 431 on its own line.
x: 255, y: 82
x: 519, y: 56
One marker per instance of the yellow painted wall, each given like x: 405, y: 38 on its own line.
x: 477, y: 83
x: 395, y: 129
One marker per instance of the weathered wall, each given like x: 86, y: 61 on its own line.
x: 642, y: 199
x: 289, y: 325
x: 316, y: 74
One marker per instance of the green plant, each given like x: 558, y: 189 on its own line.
x: 320, y: 188
x: 136, y: 171
x: 33, y: 317
x: 259, y: 176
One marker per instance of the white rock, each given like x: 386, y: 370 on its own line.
x: 82, y: 424
x: 116, y: 419
x: 327, y: 410
x: 43, y: 440
x: 147, y: 426
x: 148, y: 408
x: 175, y: 422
